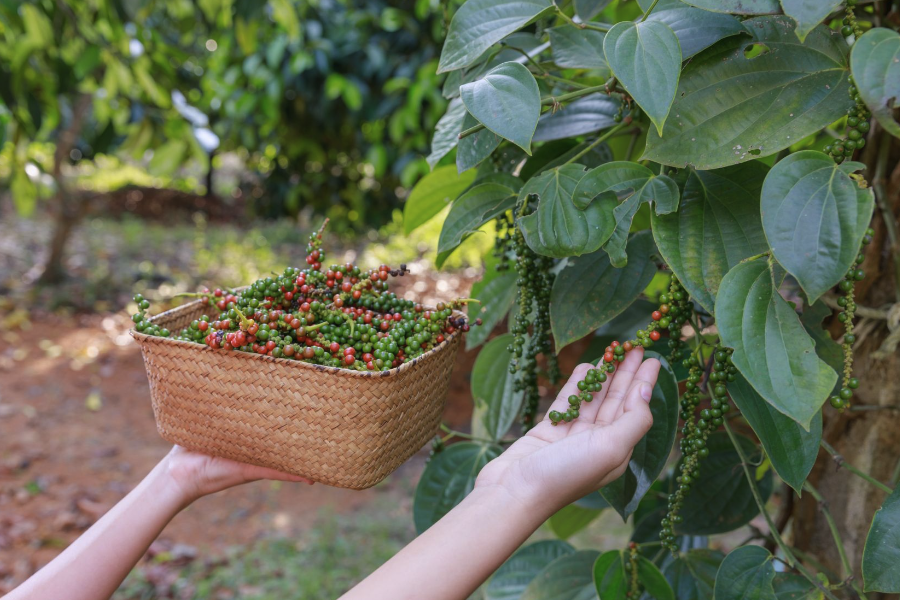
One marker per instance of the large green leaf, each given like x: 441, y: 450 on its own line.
x: 720, y: 500
x: 827, y: 349
x: 717, y: 226
x: 475, y: 147
x: 513, y: 576
x: 432, y: 194
x: 496, y: 295
x: 791, y: 586
x: 808, y: 14
x: 882, y: 552
x: 448, y: 478
x: 569, y: 577
x: 730, y: 108
x: 738, y: 7
x: 478, y: 24
x: 585, y: 115
x: 695, y: 29
x: 558, y: 227
x: 588, y: 9
x: 446, y: 132
x: 507, y: 101
x: 650, y: 454
x: 497, y: 403
x: 473, y: 209
x: 571, y: 519
x: 875, y: 62
x: 639, y: 185
x: 746, y: 573
x: 646, y: 59
x: 771, y: 347
x: 692, y: 574
x: 660, y: 190
x: 613, y: 582
x: 590, y: 291
x: 791, y: 449
x: 814, y: 218
x: 575, y: 48
x: 619, y: 176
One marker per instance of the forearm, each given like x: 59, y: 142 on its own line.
x: 94, y: 565
x: 453, y: 557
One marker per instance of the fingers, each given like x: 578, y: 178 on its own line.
x: 561, y: 403
x: 618, y: 389
x: 643, y: 381
x: 255, y: 473
x: 621, y: 436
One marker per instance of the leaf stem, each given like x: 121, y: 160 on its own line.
x: 755, y: 256
x: 649, y: 10
x: 467, y: 436
x: 890, y: 224
x: 597, y: 142
x: 551, y: 101
x: 848, y: 570
x: 583, y: 24
x: 843, y: 463
x: 789, y: 555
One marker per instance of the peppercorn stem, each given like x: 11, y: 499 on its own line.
x: 773, y: 530
x: 848, y: 570
x: 843, y: 463
x: 245, y: 322
x: 597, y: 142
x: 581, y: 25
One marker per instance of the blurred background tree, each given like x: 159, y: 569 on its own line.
x: 318, y: 107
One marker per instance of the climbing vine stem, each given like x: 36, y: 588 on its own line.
x: 773, y: 530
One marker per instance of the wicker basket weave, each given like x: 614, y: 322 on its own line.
x: 343, y: 428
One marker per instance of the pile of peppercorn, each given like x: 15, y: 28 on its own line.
x: 342, y: 316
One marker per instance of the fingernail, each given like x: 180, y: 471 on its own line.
x: 646, y: 391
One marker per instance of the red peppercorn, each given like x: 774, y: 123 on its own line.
x: 349, y: 359
x: 628, y: 346
x: 335, y: 347
x: 654, y: 335
x: 609, y: 357
x: 656, y: 315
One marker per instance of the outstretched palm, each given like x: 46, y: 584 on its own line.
x: 566, y: 461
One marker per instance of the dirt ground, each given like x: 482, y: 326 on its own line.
x: 77, y: 433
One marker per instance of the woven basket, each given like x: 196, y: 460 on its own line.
x: 343, y: 428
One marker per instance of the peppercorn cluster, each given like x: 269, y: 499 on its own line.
x: 847, y: 303
x: 531, y: 327
x: 674, y: 311
x: 857, y: 127
x: 341, y: 316
x: 635, y: 590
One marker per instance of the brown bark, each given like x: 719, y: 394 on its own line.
x: 870, y: 439
x: 69, y: 207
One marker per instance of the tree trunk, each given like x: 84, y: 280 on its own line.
x: 866, y: 439
x: 69, y: 207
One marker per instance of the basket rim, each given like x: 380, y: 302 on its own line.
x: 143, y: 338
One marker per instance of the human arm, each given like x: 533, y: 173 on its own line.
x: 95, y: 564
x: 540, y: 473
